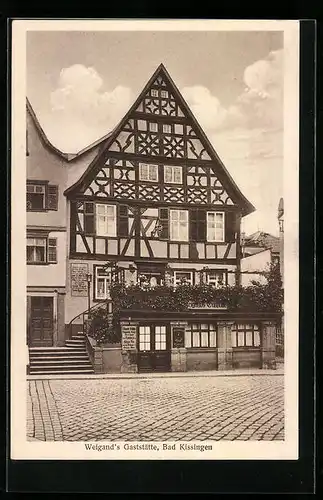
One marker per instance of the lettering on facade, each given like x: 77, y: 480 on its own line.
x: 178, y: 337
x: 129, y: 338
x: 78, y: 279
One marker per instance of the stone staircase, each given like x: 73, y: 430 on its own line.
x: 72, y: 359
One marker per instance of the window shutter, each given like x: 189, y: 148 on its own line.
x: 164, y: 220
x: 201, y: 225
x: 52, y: 250
x: 197, y: 225
x: 230, y: 226
x: 89, y: 218
x: 52, y: 197
x: 123, y: 225
x: 193, y: 225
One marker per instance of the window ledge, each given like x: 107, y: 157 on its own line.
x: 40, y: 210
x: 41, y: 263
x: 249, y: 347
x: 209, y: 349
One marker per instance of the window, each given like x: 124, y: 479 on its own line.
x: 167, y: 129
x: 179, y: 225
x: 215, y: 226
x: 245, y: 335
x: 142, y: 125
x: 105, y: 220
x: 164, y: 94
x: 41, y: 250
x: 160, y: 338
x: 154, y: 93
x: 144, y: 338
x: 52, y: 250
x: 35, y: 197
x: 183, y: 277
x: 153, y: 127
x: 41, y: 196
x: 216, y: 278
x: 179, y: 129
x: 102, y: 283
x: 173, y: 175
x: 201, y: 335
x: 148, y: 172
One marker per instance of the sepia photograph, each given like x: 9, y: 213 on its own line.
x: 157, y: 162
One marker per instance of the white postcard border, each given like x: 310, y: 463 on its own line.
x: 20, y: 447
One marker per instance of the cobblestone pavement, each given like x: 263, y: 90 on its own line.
x: 159, y: 409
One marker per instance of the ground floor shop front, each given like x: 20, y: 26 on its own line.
x: 189, y: 342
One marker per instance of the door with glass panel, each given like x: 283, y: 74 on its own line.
x: 154, y: 348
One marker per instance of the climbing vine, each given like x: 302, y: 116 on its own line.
x: 257, y: 297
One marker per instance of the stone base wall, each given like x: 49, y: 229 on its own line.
x: 246, y: 358
x: 198, y: 359
x: 129, y: 362
x: 111, y: 359
x: 178, y: 360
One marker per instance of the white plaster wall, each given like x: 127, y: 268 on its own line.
x: 50, y: 274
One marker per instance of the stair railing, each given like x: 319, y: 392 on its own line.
x: 85, y: 315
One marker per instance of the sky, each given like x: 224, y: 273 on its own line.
x: 80, y: 84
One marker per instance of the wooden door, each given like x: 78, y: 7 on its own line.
x: 41, y: 322
x: 154, y: 348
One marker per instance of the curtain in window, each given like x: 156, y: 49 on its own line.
x: 179, y: 225
x: 215, y: 226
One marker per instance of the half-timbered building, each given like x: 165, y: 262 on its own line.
x: 157, y: 201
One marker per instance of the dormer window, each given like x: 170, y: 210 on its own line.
x: 148, y: 172
x: 173, y: 175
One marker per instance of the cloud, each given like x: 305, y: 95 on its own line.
x: 204, y: 105
x: 262, y: 100
x: 248, y: 136
x: 260, y: 105
x: 83, y: 107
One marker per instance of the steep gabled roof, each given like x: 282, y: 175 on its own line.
x: 41, y: 132
x: 69, y: 157
x: 246, y: 206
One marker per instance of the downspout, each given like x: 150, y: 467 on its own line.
x: 239, y: 247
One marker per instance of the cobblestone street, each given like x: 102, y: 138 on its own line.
x: 157, y: 409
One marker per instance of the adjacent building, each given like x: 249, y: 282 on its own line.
x: 259, y: 241
x: 46, y: 237
x: 46, y: 232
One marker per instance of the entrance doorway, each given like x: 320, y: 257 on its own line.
x: 41, y: 326
x: 154, y: 348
